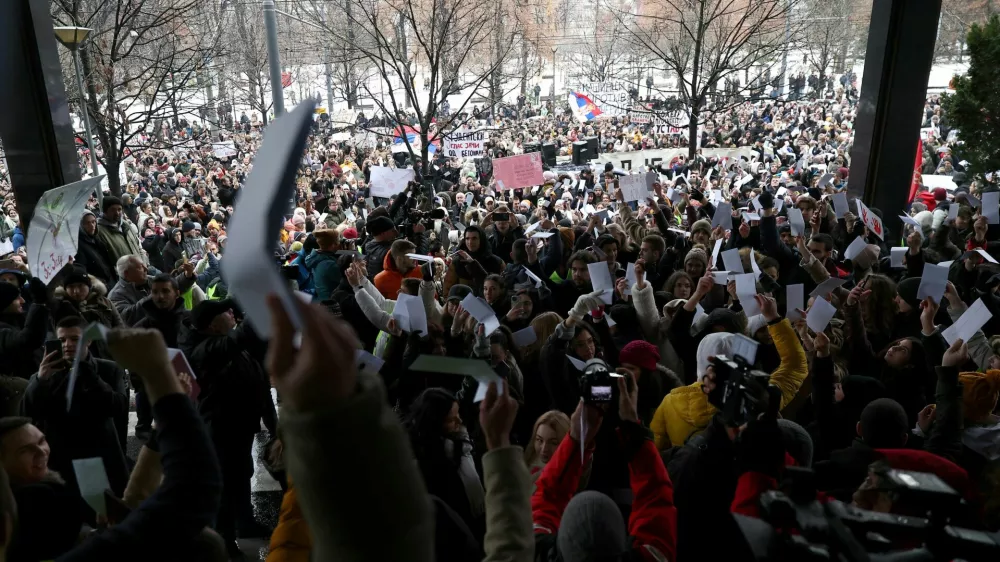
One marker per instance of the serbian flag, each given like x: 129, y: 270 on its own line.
x: 286, y: 79
x: 918, y: 165
x: 412, y: 135
x: 584, y: 107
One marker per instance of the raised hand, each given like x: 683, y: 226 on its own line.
x: 497, y: 413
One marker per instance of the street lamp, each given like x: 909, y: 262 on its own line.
x: 72, y: 38
x: 552, y: 96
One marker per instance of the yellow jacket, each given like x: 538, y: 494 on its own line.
x: 686, y: 410
x: 291, y: 541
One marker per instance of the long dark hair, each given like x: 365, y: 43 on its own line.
x: 424, y: 424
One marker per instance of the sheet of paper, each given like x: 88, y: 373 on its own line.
x: 715, y: 252
x: 721, y: 277
x: 952, y: 212
x: 746, y: 290
x: 794, y: 299
x: 933, y: 282
x: 531, y: 275
x: 796, y: 222
x: 986, y: 255
x: 478, y: 369
x: 856, y: 247
x: 699, y: 313
x: 92, y: 479
x: 991, y: 207
x: 542, y: 235
x: 755, y: 267
x: 820, y: 314
x: 93, y: 332
x: 723, y: 216
x: 416, y: 312
x: 525, y: 337
x: 840, y: 206
x: 420, y: 257
x: 600, y: 278
x: 971, y: 321
x: 368, y: 363
x: 896, y: 257
x: 482, y: 312
x: 827, y: 286
x: 249, y: 266
x: 577, y: 363
x: 780, y: 193
x: 531, y: 227
x: 633, y: 187
x: 751, y: 217
x: 385, y: 181
x: 732, y: 262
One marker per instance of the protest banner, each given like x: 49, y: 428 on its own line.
x: 650, y: 158
x: 386, y: 182
x: 54, y: 230
x: 523, y: 170
x: 224, y: 149
x: 612, y: 98
x: 468, y: 144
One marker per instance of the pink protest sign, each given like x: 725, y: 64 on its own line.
x: 523, y: 170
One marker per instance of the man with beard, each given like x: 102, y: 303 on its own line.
x: 92, y: 255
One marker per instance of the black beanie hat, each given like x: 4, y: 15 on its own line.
x: 8, y: 294
x: 109, y: 201
x: 459, y: 292
x: 884, y: 424
x: 188, y: 226
x: 78, y: 275
x: 907, y: 290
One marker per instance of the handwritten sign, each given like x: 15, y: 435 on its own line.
x: 871, y: 220
x: 523, y: 170
x: 54, y: 231
x: 465, y: 144
x: 386, y: 182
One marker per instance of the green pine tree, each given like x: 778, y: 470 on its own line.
x: 974, y: 108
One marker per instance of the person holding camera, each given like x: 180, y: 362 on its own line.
x: 589, y: 525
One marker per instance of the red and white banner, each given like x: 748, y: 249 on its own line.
x: 871, y: 220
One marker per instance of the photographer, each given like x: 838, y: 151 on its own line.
x: 588, y: 525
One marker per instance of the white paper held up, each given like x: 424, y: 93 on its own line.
x: 525, y: 337
x: 856, y: 247
x: 933, y: 282
x: 896, y: 257
x: 249, y: 265
x: 991, y: 207
x: 971, y: 321
x: 796, y: 222
x: 746, y: 290
x: 600, y: 278
x: 92, y: 479
x: 93, y: 332
x: 732, y: 262
x: 820, y: 314
x: 482, y: 312
x: 794, y: 300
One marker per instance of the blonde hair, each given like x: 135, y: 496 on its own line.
x: 544, y: 325
x: 554, y: 419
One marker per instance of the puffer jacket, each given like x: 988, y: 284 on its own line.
x: 686, y: 410
x: 291, y: 540
x: 389, y: 280
x: 119, y: 239
x: 375, y: 253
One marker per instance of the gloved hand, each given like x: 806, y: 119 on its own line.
x: 585, y: 304
x: 760, y: 447
x: 766, y: 199
x: 39, y: 293
x: 428, y: 270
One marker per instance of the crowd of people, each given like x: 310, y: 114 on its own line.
x: 553, y: 372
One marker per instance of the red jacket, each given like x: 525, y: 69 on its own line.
x: 653, y: 522
x: 389, y: 280
x: 927, y: 198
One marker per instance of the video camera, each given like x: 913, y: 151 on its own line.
x: 740, y: 392
x: 596, y: 384
x: 795, y: 526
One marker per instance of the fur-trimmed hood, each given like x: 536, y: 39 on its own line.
x: 97, y: 289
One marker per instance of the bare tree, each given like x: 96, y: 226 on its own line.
x: 449, y: 41
x: 247, y: 50
x: 140, y: 66
x: 835, y: 33
x: 703, y: 42
x: 601, y: 54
